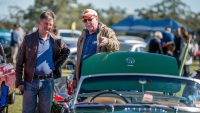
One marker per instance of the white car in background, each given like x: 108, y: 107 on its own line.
x: 136, y: 47
x: 69, y: 35
x: 132, y: 43
x: 130, y: 39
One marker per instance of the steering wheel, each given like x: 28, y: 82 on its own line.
x: 109, y: 92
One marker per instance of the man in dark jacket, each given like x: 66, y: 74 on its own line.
x: 38, y: 61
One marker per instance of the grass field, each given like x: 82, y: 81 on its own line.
x: 17, y: 106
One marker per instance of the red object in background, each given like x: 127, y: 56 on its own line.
x: 7, y: 74
x: 58, y: 98
x: 198, y: 53
x: 70, y: 88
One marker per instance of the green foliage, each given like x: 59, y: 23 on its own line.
x: 112, y: 15
x: 67, y: 11
x: 5, y: 25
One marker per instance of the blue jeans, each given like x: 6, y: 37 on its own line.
x: 41, y: 90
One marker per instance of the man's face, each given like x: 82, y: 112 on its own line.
x: 46, y: 25
x: 91, y: 23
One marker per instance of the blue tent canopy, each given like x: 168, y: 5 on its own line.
x: 5, y: 34
x: 131, y: 24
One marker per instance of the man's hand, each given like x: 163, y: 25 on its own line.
x: 103, y: 41
x: 21, y: 88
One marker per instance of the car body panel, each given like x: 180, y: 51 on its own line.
x: 129, y: 62
x: 145, y: 82
x: 7, y: 74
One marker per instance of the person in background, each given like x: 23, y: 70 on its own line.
x: 189, y: 58
x: 17, y: 36
x: 95, y: 38
x: 38, y: 63
x: 155, y: 45
x: 167, y: 35
x: 169, y: 48
x: 178, y: 41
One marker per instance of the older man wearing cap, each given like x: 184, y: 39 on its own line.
x: 96, y: 38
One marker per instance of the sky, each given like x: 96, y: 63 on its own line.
x: 130, y: 5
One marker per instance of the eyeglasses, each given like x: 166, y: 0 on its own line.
x: 87, y: 20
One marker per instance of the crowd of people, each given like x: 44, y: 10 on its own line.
x: 174, y: 44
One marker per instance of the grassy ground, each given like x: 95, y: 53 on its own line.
x: 17, y: 106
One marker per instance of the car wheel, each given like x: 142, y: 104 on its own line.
x: 11, y: 98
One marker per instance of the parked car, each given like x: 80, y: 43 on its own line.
x: 5, y: 39
x: 70, y: 38
x: 132, y: 43
x: 69, y: 35
x: 130, y: 39
x: 69, y: 64
x: 7, y: 75
x: 135, y: 47
x: 133, y: 82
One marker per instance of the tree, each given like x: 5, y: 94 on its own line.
x: 60, y: 7
x: 112, y: 15
x: 67, y: 12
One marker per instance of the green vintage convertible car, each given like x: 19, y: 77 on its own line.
x: 131, y: 82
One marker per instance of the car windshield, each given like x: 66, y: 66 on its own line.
x: 140, y: 89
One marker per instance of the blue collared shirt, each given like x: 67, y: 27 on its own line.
x: 44, y: 62
x: 167, y: 37
x: 90, y: 44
